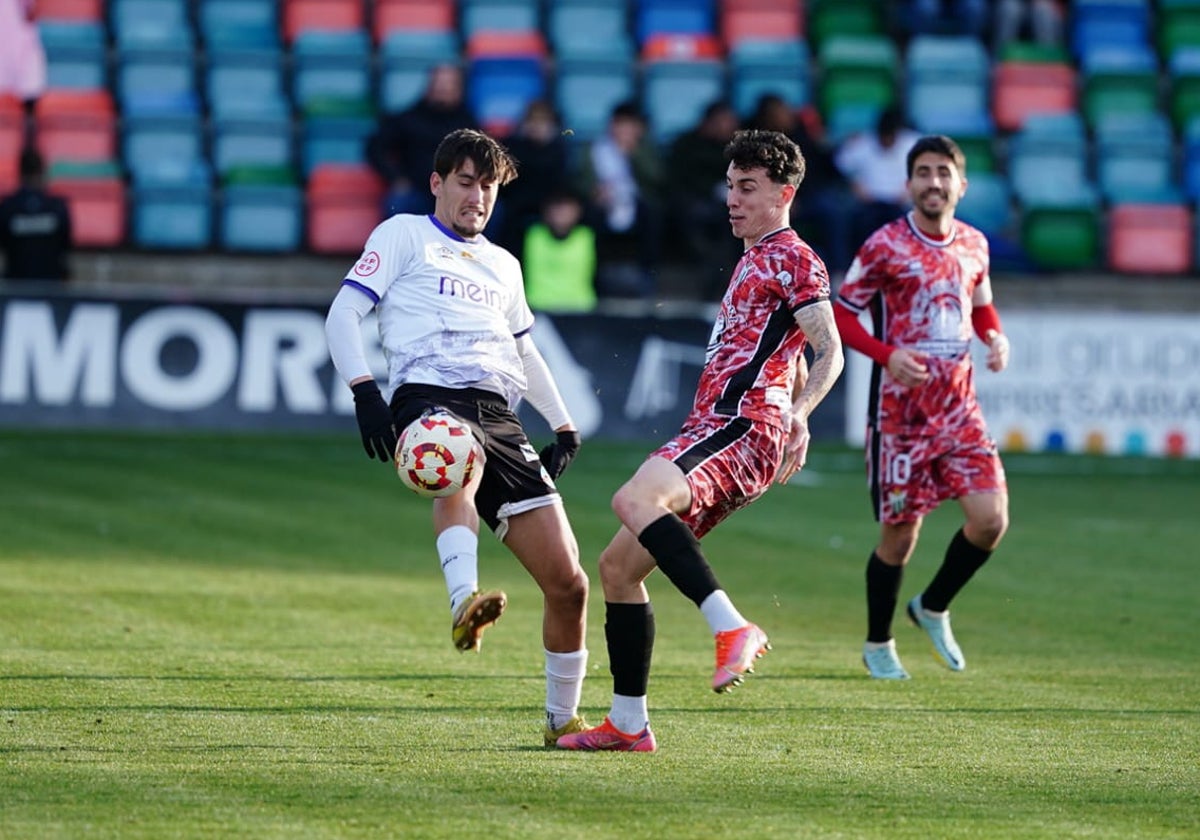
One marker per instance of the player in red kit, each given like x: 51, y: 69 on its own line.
x: 924, y: 279
x: 748, y: 427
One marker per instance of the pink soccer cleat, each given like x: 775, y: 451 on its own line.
x: 736, y: 652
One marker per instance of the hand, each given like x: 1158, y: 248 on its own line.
x: 374, y: 421
x: 997, y: 359
x: 907, y: 367
x: 795, y: 448
x: 556, y: 456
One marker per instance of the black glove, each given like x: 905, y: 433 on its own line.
x: 374, y: 421
x: 556, y: 456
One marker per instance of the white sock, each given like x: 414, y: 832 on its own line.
x: 564, y: 684
x: 629, y: 714
x: 720, y: 613
x: 458, y: 549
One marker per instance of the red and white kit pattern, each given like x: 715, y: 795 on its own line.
x: 749, y: 372
x: 918, y: 291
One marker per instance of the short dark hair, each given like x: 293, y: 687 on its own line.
x: 770, y: 150
x: 938, y: 144
x: 491, y: 159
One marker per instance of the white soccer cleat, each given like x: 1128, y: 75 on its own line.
x: 937, y: 626
x: 882, y: 662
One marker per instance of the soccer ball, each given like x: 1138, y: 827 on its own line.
x: 436, y: 454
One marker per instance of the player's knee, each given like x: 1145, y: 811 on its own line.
x: 989, y: 530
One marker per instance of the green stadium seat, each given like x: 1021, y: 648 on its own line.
x: 834, y: 18
x: 857, y: 70
x: 1062, y: 231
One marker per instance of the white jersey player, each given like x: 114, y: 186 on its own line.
x: 454, y: 326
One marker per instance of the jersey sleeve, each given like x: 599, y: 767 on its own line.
x: 520, y: 316
x: 809, y: 278
x: 390, y: 249
x: 865, y: 275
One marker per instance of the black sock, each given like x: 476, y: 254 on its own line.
x: 883, y: 591
x: 963, y: 559
x: 677, y: 552
x: 629, y: 632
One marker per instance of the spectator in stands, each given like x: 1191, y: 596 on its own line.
x: 401, y: 149
x: 35, y: 227
x: 542, y: 154
x: 559, y: 257
x: 823, y: 207
x: 622, y: 175
x: 1040, y: 21
x: 875, y: 163
x: 696, y: 193
x: 22, y: 57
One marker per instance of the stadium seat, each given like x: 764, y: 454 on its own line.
x: 162, y: 148
x: 172, y: 207
x: 1119, y: 80
x: 1178, y: 27
x: 586, y: 91
x: 76, y: 53
x: 1135, y: 159
x: 589, y: 28
x: 10, y: 177
x: 653, y: 18
x: 246, y: 83
x: 321, y: 15
x: 406, y: 58
x: 769, y: 66
x: 76, y: 125
x: 988, y: 202
x: 157, y: 82
x: 237, y: 25
x: 1184, y: 71
x: 335, y: 131
x: 506, y: 72
x: 96, y: 196
x: 331, y: 65
x: 70, y: 10
x: 755, y: 20
x: 1023, y: 88
x: 857, y: 70
x: 1101, y: 24
x: 262, y: 217
x: 249, y: 140
x: 675, y: 92
x: 498, y: 16
x: 152, y: 25
x: 834, y: 18
x: 343, y: 208
x: 1061, y: 229
x: 12, y: 128
x: 1150, y: 239
x: 390, y: 16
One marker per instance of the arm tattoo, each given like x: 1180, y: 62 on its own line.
x: 817, y: 323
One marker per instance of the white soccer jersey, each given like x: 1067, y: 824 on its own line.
x: 449, y: 310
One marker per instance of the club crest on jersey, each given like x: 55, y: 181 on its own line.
x: 784, y: 278
x: 897, y: 501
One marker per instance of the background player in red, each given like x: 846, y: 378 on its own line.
x: 924, y: 278
x: 748, y: 427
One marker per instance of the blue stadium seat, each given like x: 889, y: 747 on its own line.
x: 498, y: 15
x: 331, y: 65
x: 405, y: 59
x: 988, y: 203
x: 589, y: 28
x: 335, y: 136
x: 246, y: 83
x: 76, y: 54
x: 673, y: 17
x: 162, y: 147
x: 261, y: 218
x: 780, y: 67
x: 238, y: 25
x: 675, y: 94
x: 587, y: 90
x: 499, y: 89
x: 172, y: 207
x: 1134, y: 159
x: 157, y: 82
x: 152, y: 24
x: 1048, y: 159
x: 263, y: 140
x: 1097, y: 24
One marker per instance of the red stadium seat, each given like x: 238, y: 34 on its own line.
x: 1023, y: 88
x: 76, y: 125
x: 760, y: 22
x: 98, y: 206
x: 71, y: 10
x: 9, y: 174
x: 421, y: 15
x: 12, y: 127
x: 506, y: 44
x: 321, y: 15
x: 684, y: 47
x: 343, y: 207
x: 1150, y: 239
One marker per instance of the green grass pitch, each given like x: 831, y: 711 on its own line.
x: 248, y: 636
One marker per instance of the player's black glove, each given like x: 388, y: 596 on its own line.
x: 374, y: 421
x: 556, y: 456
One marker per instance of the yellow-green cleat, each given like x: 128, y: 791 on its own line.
x: 575, y: 724
x: 475, y: 615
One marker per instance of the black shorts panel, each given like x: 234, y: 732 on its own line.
x: 513, y: 472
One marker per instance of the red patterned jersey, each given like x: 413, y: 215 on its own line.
x: 918, y: 291
x: 750, y: 363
